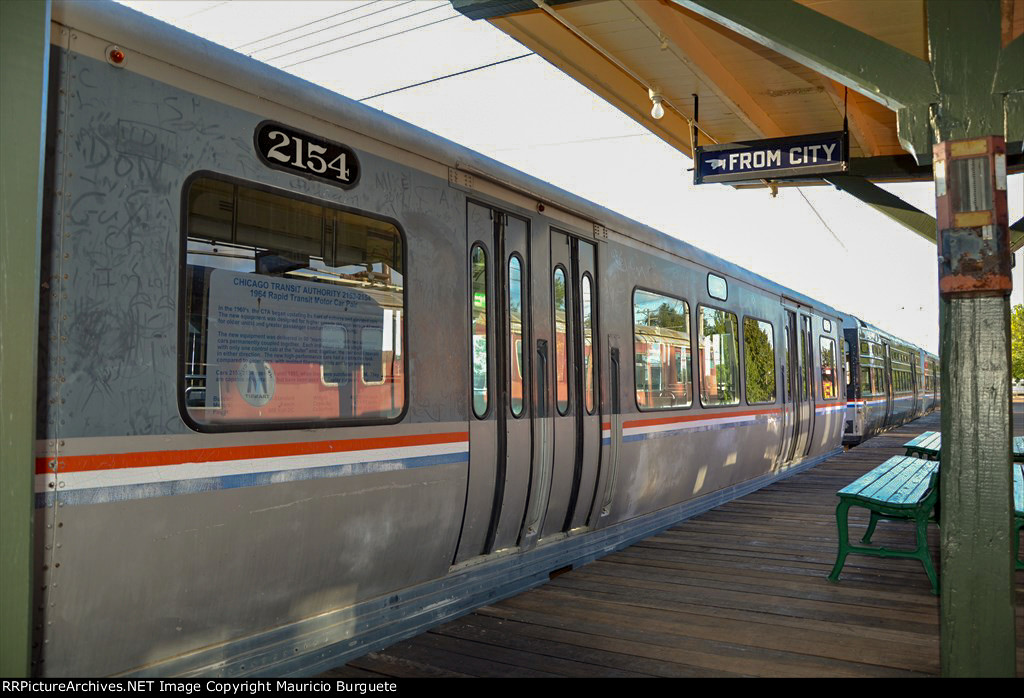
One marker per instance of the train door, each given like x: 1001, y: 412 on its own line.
x: 789, y: 415
x: 799, y: 412
x: 501, y: 421
x: 575, y: 420
x: 808, y: 393
x: 888, y: 387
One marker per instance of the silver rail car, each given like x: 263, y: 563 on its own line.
x: 313, y: 379
x: 888, y: 381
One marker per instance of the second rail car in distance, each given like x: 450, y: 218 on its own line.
x: 313, y: 379
x: 888, y: 381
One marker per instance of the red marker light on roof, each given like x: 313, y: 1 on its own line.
x: 116, y: 56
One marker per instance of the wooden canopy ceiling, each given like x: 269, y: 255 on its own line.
x: 621, y: 49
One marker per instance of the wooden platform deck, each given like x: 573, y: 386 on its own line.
x: 737, y: 591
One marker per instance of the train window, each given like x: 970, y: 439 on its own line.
x: 878, y: 379
x: 588, y: 345
x: 515, y: 333
x: 865, y: 381
x: 846, y: 357
x: 759, y: 360
x: 661, y: 345
x: 719, y: 357
x: 293, y: 310
x: 478, y: 280
x: 562, y: 332
x: 826, y: 325
x: 829, y: 384
x: 718, y: 287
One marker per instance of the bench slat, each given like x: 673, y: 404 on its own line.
x: 920, y: 439
x: 899, y: 481
x: 899, y: 491
x: 869, y: 483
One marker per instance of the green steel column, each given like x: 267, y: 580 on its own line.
x: 977, y: 632
x: 24, y: 53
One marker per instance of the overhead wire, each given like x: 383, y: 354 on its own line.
x: 302, y: 26
x: 449, y: 75
x: 340, y: 24
x: 205, y: 9
x: 358, y: 31
x: 366, y: 43
x: 597, y: 139
x: 827, y: 226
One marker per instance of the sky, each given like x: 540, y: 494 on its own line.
x: 528, y: 114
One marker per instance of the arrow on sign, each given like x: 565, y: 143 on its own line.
x: 715, y: 164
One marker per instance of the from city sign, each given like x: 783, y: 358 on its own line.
x: 771, y: 158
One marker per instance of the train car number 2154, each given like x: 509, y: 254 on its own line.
x: 287, y: 149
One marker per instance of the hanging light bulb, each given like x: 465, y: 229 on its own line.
x: 657, y: 111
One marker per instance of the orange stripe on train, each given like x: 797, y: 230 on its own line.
x: 144, y: 459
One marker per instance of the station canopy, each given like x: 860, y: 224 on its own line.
x: 626, y: 50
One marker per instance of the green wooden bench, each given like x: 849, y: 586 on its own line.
x: 901, y: 488
x: 929, y: 444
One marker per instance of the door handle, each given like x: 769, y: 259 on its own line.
x: 616, y: 408
x: 542, y: 378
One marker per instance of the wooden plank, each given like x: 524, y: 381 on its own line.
x: 781, y: 585
x: 352, y: 672
x: 623, y: 661
x: 430, y: 652
x: 678, y: 621
x: 713, y: 657
x: 393, y: 664
x: 657, y: 596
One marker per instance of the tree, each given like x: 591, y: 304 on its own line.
x: 760, y: 360
x: 1017, y: 342
x: 666, y: 316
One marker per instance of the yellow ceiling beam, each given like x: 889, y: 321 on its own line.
x: 859, y: 123
x: 558, y: 45
x: 675, y: 26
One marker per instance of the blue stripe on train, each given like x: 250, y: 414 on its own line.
x: 630, y: 438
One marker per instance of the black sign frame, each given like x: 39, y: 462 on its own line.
x: 292, y: 150
x: 703, y: 172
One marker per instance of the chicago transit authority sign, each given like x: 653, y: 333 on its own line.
x: 771, y: 158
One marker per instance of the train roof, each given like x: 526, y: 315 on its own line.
x: 854, y: 321
x: 150, y: 36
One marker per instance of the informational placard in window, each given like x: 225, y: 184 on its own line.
x: 285, y: 349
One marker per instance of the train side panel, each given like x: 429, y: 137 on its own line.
x: 156, y: 539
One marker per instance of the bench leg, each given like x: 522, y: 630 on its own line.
x: 842, y: 515
x: 871, y: 528
x: 922, y: 551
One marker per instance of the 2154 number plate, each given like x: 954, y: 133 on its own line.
x: 286, y: 149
